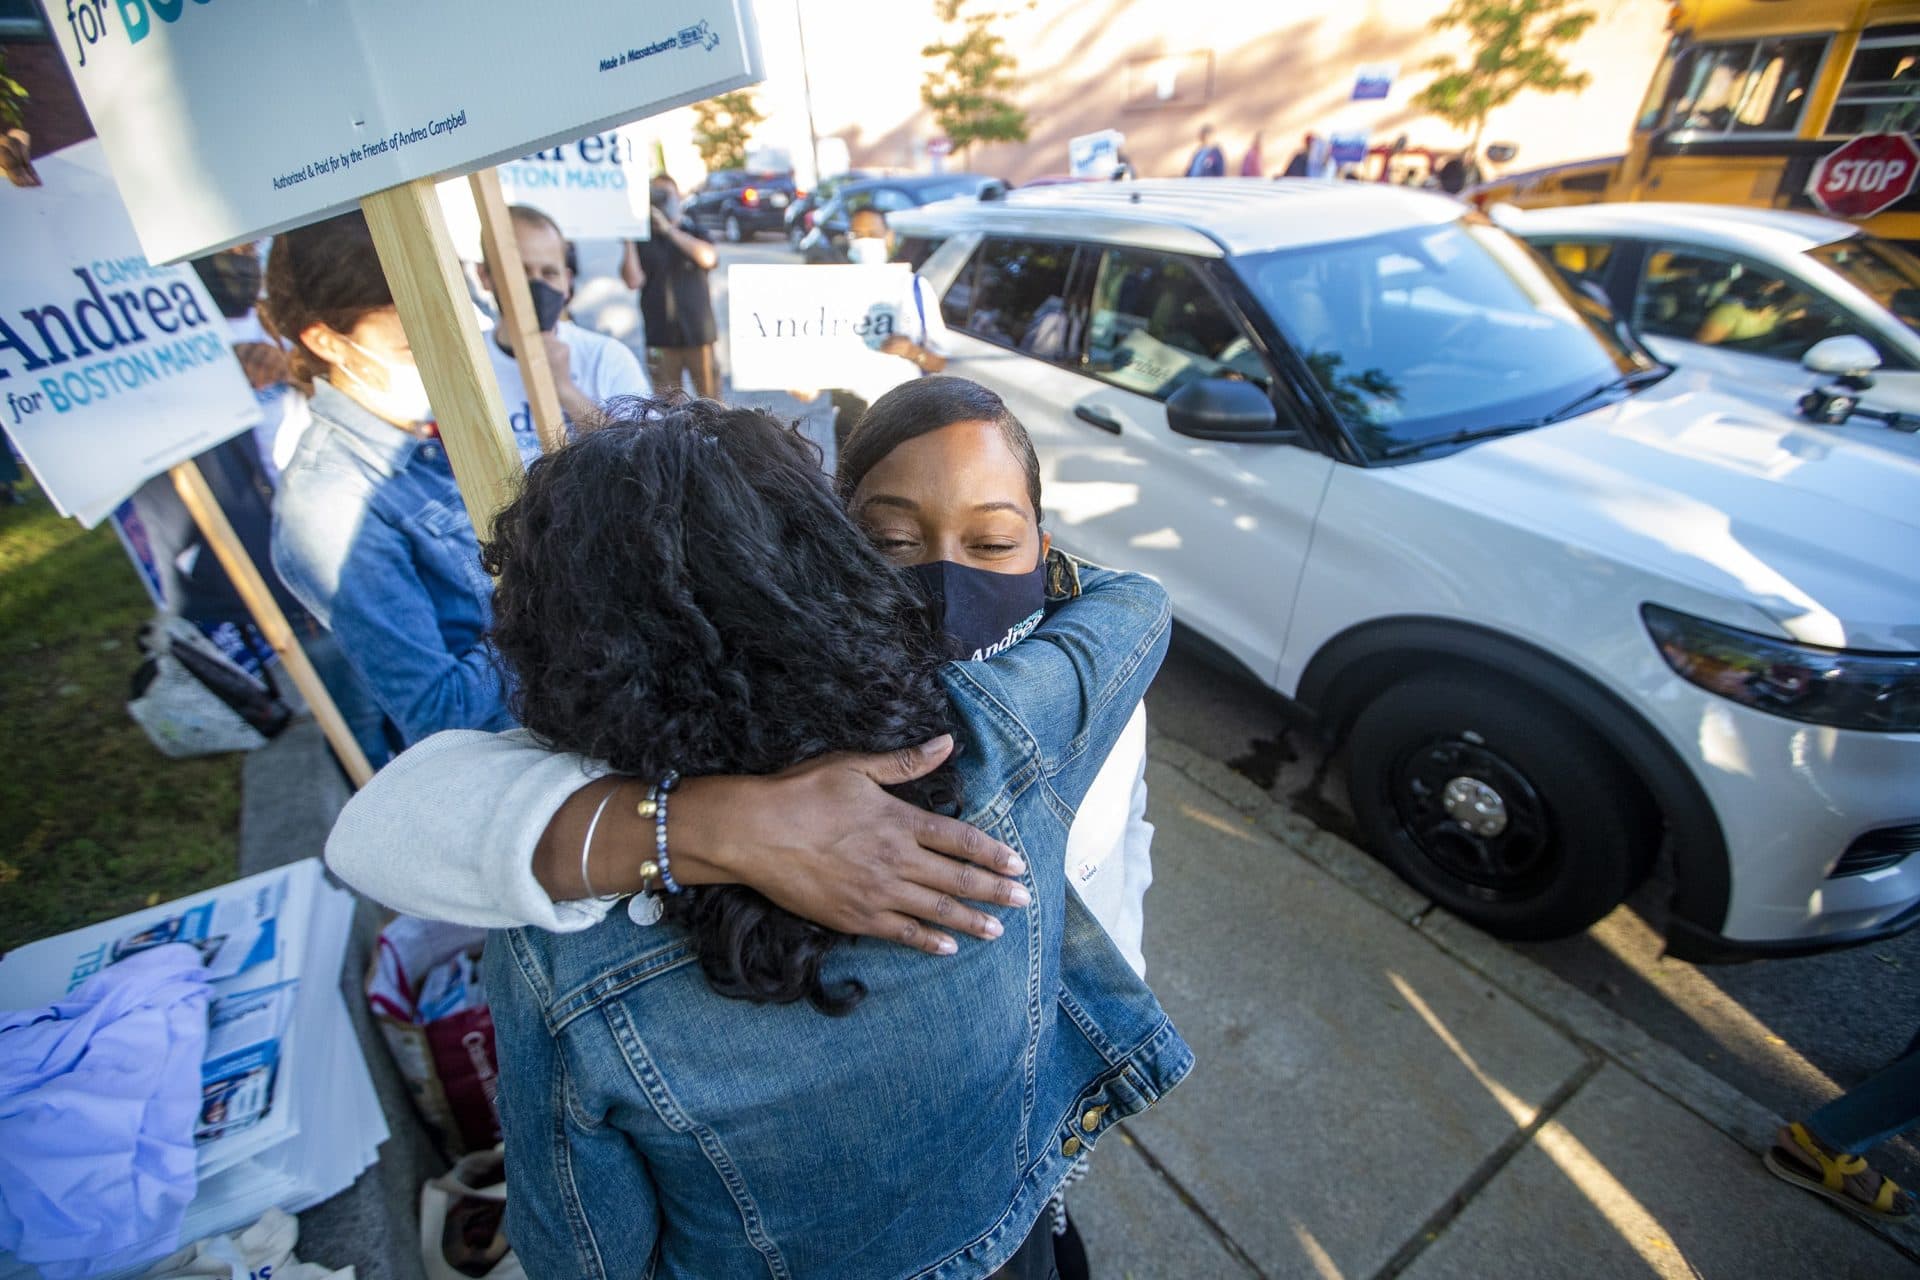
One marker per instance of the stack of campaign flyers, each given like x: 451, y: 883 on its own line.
x: 288, y: 1113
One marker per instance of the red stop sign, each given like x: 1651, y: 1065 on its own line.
x: 1866, y: 174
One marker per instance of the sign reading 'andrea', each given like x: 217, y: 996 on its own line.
x: 111, y: 370
x: 388, y: 93
x: 796, y: 326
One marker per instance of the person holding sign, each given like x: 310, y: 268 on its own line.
x: 931, y: 1104
x: 670, y: 271
x: 589, y: 369
x: 369, y: 530
x: 919, y: 342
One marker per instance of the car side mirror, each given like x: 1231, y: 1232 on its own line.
x: 1843, y: 356
x: 1227, y: 409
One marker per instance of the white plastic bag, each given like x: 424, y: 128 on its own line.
x: 185, y: 715
x: 263, y: 1249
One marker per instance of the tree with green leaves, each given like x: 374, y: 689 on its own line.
x: 15, y: 146
x: 969, y: 89
x: 722, y: 127
x: 1513, y: 47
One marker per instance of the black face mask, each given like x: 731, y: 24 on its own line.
x: 548, y: 303
x: 979, y: 612
x: 233, y: 279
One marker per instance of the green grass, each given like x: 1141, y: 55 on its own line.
x: 93, y: 821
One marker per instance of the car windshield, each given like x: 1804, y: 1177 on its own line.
x: 1419, y: 334
x: 1885, y: 272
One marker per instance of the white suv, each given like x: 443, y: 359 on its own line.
x: 1564, y: 607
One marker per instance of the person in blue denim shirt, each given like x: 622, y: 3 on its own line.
x: 734, y: 1091
x: 369, y: 528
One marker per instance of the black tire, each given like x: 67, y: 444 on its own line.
x: 1563, y: 831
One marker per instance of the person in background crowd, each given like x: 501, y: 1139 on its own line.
x: 1209, y: 161
x: 919, y: 342
x: 1251, y: 165
x: 770, y: 1037
x: 233, y: 278
x: 589, y: 369
x: 370, y: 531
x: 670, y: 271
x: 1298, y: 162
x: 1456, y: 174
x: 1826, y: 1152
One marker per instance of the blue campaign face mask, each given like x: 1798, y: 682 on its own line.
x: 979, y: 612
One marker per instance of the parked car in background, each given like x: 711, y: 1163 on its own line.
x: 1562, y: 610
x: 1743, y: 294
x: 740, y: 203
x: 800, y: 213
x: 827, y: 242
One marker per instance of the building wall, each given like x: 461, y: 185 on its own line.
x: 1158, y: 69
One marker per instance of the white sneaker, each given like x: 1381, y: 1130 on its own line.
x: 463, y: 1220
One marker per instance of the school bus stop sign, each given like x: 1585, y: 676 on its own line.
x: 1865, y: 175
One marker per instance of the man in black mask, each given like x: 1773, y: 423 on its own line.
x: 589, y: 368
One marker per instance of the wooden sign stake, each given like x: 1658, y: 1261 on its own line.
x: 502, y: 251
x: 206, y: 512
x: 417, y: 256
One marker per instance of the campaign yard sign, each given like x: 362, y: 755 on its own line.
x: 813, y: 326
x: 226, y: 120
x: 111, y: 370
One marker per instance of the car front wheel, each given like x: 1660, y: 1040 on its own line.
x: 734, y: 232
x: 1498, y: 804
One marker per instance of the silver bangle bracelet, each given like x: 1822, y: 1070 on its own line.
x: 586, y: 848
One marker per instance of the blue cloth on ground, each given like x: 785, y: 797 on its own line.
x: 98, y: 1096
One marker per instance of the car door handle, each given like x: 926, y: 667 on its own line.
x: 1097, y: 417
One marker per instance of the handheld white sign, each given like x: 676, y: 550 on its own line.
x: 1095, y: 155
x: 111, y: 370
x: 595, y: 188
x: 210, y: 149
x: 801, y: 326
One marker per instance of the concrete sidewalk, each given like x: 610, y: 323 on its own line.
x: 1380, y: 1089
x: 1383, y: 1091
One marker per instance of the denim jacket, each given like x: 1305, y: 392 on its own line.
x: 654, y: 1128
x: 370, y: 533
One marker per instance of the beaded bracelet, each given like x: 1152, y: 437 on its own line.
x: 668, y: 781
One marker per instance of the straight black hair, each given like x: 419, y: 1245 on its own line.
x: 921, y: 407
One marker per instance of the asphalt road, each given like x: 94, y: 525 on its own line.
x: 1790, y: 1033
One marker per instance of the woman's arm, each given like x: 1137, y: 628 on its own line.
x: 487, y: 829
x: 632, y: 274
x: 389, y: 629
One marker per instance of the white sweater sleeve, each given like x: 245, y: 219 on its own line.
x: 447, y: 831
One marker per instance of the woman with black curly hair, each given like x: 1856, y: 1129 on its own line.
x: 734, y: 1091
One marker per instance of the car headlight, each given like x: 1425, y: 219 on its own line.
x: 1877, y: 692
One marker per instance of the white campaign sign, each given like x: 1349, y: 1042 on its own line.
x: 595, y: 188
x: 1095, y: 155
x: 111, y: 370
x: 801, y: 326
x: 227, y: 120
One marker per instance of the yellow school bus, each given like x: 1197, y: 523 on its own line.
x: 1749, y: 98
